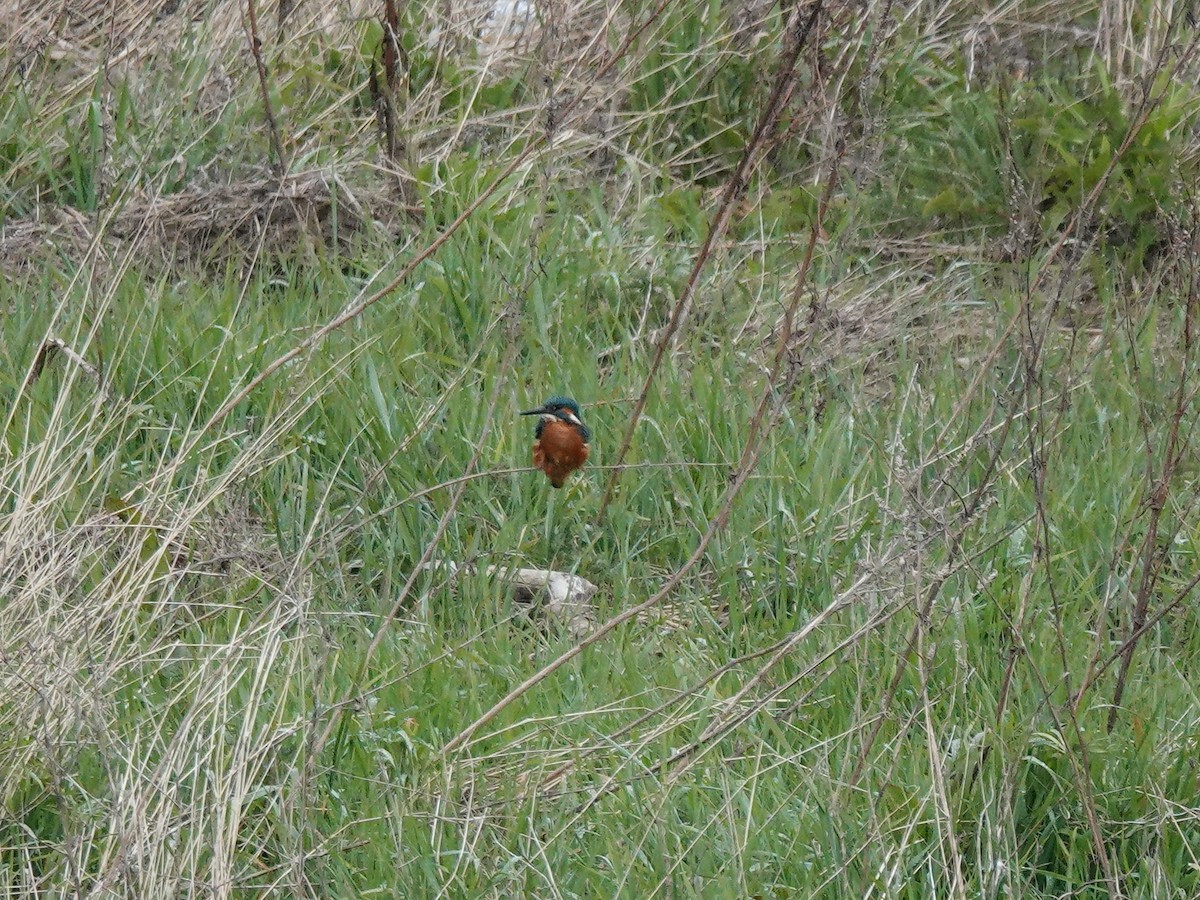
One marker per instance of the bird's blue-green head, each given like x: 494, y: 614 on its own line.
x: 564, y: 409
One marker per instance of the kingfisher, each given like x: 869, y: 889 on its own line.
x: 560, y: 443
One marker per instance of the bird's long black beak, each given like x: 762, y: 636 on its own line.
x: 541, y: 410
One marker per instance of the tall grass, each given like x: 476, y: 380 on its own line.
x: 937, y: 633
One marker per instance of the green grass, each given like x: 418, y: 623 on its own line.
x: 203, y: 691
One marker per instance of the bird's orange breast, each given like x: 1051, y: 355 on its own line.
x: 559, y: 451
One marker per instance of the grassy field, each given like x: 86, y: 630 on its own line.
x: 895, y: 565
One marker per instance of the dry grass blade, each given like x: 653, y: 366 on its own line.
x: 52, y: 345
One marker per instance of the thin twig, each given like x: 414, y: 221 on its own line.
x: 1159, y: 491
x: 674, y: 700
x: 785, y: 78
x: 391, y: 58
x: 52, y: 345
x: 281, y: 162
x: 1170, y: 606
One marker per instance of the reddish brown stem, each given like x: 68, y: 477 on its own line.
x: 281, y: 163
x: 1159, y: 491
x: 785, y: 78
x: 387, y: 92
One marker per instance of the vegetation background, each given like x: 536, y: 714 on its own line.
x: 888, y: 309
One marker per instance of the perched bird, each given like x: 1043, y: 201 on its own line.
x: 560, y: 444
